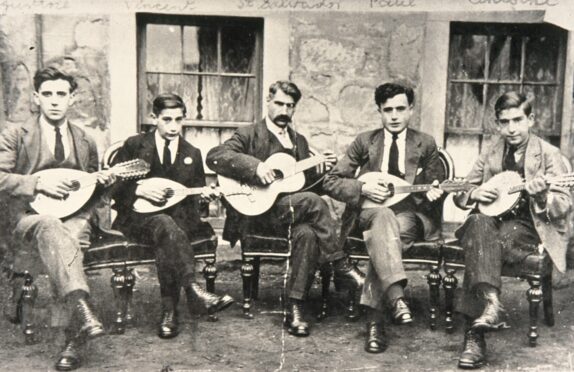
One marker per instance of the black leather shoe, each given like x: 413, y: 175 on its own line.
x: 490, y: 319
x: 401, y: 312
x: 90, y: 326
x: 212, y: 302
x: 69, y: 358
x: 168, y: 327
x: 474, y: 350
x: 346, y: 271
x: 296, y: 325
x: 375, y: 341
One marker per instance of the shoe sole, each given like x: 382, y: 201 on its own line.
x: 167, y: 336
x: 486, y: 327
x: 403, y: 321
x: 463, y: 365
x: 225, y: 302
x: 297, y: 333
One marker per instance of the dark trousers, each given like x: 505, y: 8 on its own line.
x: 489, y: 243
x: 313, y: 237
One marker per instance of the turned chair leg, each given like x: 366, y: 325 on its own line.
x: 449, y: 284
x: 26, y: 308
x: 534, y: 295
x: 547, y: 300
x: 247, y: 276
x: 434, y: 279
x: 353, y: 311
x: 326, y: 274
x: 122, y: 282
x: 210, y: 273
x: 255, y: 278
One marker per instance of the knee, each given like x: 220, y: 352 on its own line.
x: 382, y: 216
x: 165, y: 224
x: 49, y: 223
x: 479, y: 220
x: 303, y: 232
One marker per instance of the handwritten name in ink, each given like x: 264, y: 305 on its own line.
x: 160, y: 6
x: 516, y: 2
x: 289, y: 4
x: 393, y: 3
x: 6, y: 6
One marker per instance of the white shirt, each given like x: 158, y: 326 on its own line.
x: 281, y: 133
x: 401, y: 144
x: 49, y: 132
x: 160, y: 144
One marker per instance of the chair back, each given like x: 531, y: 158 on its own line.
x: 110, y: 154
x: 447, y: 163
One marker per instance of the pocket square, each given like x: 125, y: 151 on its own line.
x: 419, y: 171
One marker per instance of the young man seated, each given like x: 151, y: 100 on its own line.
x: 168, y: 231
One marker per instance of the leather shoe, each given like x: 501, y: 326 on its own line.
x: 90, y: 326
x: 401, y: 312
x: 346, y: 271
x: 375, y: 342
x: 69, y: 358
x: 168, y: 327
x: 296, y: 325
x: 474, y: 350
x: 489, y: 320
x: 212, y: 302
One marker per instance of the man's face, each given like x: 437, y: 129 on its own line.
x: 169, y: 123
x: 54, y: 98
x: 396, y: 113
x: 280, y: 108
x: 514, y: 125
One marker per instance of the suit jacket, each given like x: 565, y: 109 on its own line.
x: 540, y: 158
x: 19, y: 156
x: 187, y: 170
x: 422, y: 166
x: 239, y: 157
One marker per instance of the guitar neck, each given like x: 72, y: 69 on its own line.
x: 305, y: 164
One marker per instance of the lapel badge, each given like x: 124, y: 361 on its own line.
x: 187, y: 160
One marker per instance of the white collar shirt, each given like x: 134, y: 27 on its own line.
x: 282, y: 134
x: 401, y: 145
x: 49, y: 132
x: 160, y: 144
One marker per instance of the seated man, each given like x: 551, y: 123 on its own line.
x: 313, y: 230
x: 405, y: 153
x: 489, y: 242
x: 170, y: 230
x: 44, y: 142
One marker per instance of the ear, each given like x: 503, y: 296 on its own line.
x: 153, y: 118
x: 72, y: 98
x: 36, y: 97
x: 531, y: 120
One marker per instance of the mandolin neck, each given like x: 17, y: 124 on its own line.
x: 412, y: 188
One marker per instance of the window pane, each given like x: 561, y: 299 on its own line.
x: 158, y: 84
x: 465, y: 106
x: 200, y: 49
x: 543, y: 98
x: 541, y: 58
x: 467, y: 56
x: 238, y: 49
x: 237, y: 99
x: 163, y: 48
x: 493, y: 92
x: 191, y: 86
x: 209, y: 92
x: 505, y: 54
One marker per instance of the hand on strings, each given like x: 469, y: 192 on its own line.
x: 435, y: 193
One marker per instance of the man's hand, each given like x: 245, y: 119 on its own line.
x: 330, y: 160
x: 153, y: 193
x: 57, y: 189
x: 434, y: 193
x: 210, y: 193
x: 377, y: 192
x: 265, y: 174
x: 538, y: 189
x: 105, y: 178
x: 484, y: 194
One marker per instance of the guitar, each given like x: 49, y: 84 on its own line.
x: 253, y: 200
x: 175, y: 193
x: 400, y: 188
x: 509, y: 185
x: 84, y: 185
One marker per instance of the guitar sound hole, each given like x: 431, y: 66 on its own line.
x: 278, y: 174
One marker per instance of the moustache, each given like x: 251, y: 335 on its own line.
x: 283, y: 118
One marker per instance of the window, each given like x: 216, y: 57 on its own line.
x: 487, y: 60
x: 213, y: 63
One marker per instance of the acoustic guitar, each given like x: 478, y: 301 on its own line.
x: 84, y: 184
x: 400, y: 188
x: 175, y: 192
x: 253, y: 200
x: 509, y: 185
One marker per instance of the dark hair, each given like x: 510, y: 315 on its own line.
x: 286, y: 87
x: 512, y: 100
x: 389, y: 90
x: 167, y: 101
x: 53, y: 73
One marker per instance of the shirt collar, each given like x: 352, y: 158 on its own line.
x: 51, y: 128
x: 160, y: 141
x: 401, y: 136
x: 274, y: 128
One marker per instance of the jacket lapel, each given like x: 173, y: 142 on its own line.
x: 31, y: 140
x: 148, y: 147
x: 376, y: 151
x: 81, y: 146
x: 532, y: 158
x: 261, y: 142
x: 412, y: 155
x: 494, y: 164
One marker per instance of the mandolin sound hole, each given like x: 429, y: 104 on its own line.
x: 75, y: 185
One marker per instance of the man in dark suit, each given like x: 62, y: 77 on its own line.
x: 540, y: 217
x: 44, y: 142
x: 405, y: 153
x: 169, y: 231
x: 313, y: 230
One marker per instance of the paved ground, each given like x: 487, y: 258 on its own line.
x: 260, y: 344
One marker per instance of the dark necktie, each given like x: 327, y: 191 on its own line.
x: 166, y: 155
x: 394, y: 158
x: 509, y: 160
x: 59, y: 147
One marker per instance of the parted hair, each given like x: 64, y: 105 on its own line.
x: 53, y: 73
x: 389, y: 90
x: 512, y: 100
x: 167, y: 101
x: 286, y: 87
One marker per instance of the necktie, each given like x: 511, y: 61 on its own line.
x: 59, y: 146
x: 393, y: 168
x: 166, y: 155
x: 509, y: 160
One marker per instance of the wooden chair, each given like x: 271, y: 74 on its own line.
x: 536, y: 269
x: 427, y: 254
x: 112, y: 250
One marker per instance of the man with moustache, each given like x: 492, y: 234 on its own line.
x: 313, y: 230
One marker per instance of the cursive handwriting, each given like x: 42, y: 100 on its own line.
x: 517, y: 2
x: 289, y: 4
x: 160, y: 6
x: 393, y: 3
x: 32, y: 5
